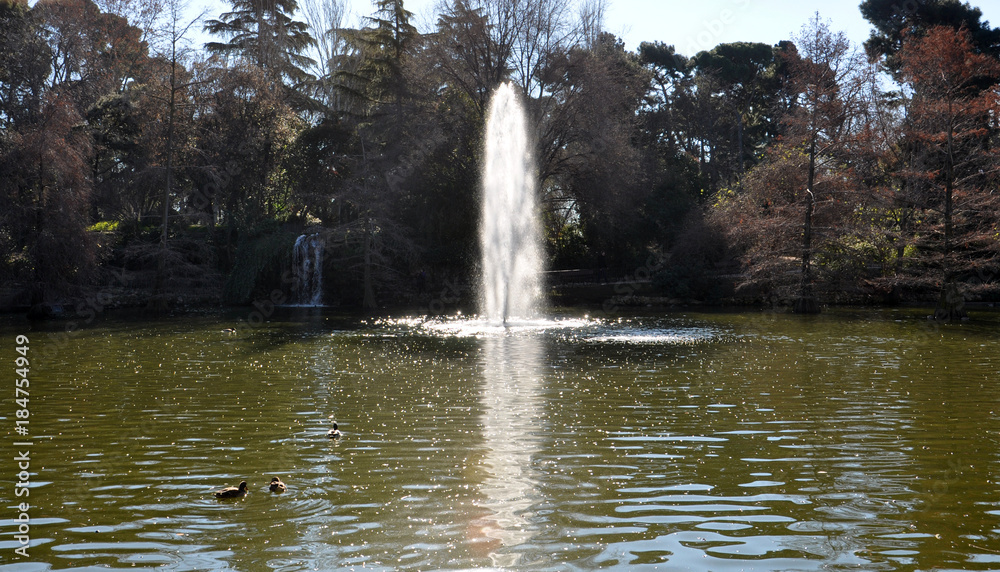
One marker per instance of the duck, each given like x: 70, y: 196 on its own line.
x: 334, y: 433
x: 277, y: 486
x: 232, y: 492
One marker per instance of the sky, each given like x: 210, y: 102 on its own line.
x: 693, y: 25
x: 696, y: 25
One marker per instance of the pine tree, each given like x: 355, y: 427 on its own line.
x: 264, y: 33
x: 382, y: 47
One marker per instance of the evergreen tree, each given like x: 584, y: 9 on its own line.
x: 264, y: 33
x: 743, y: 75
x: 893, y: 21
x: 382, y: 48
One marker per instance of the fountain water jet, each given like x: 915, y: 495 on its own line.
x: 510, y: 230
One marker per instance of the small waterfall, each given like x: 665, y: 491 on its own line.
x: 308, y: 259
x: 510, y: 230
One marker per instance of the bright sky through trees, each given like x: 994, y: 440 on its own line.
x: 695, y: 25
x: 690, y: 25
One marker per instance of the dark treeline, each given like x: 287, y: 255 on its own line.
x: 138, y: 166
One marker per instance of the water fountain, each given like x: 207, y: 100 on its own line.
x: 510, y: 233
x: 308, y: 259
x: 510, y: 290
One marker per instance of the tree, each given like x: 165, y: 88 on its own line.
x: 895, y: 21
x: 45, y: 196
x: 93, y: 54
x: 326, y: 20
x: 741, y: 74
x: 951, y: 129
x: 265, y: 34
x: 383, y: 47
x: 796, y: 206
x: 833, y: 81
x: 144, y: 15
x: 387, y: 114
x: 592, y: 163
x: 174, y: 54
x: 24, y: 64
x: 244, y: 131
x: 470, y: 57
x: 546, y: 31
x: 667, y: 105
x: 116, y: 128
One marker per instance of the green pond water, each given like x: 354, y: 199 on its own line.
x: 855, y: 440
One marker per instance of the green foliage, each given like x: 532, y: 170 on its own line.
x: 744, y: 74
x: 243, y: 140
x: 382, y: 48
x: 698, y: 257
x: 256, y: 256
x: 706, y: 157
x: 692, y: 280
x: 569, y: 248
x: 664, y: 57
x: 318, y: 165
x: 266, y: 34
x: 104, y: 226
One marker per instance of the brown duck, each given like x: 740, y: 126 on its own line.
x: 277, y: 486
x: 232, y: 492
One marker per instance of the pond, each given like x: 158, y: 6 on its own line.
x: 858, y: 439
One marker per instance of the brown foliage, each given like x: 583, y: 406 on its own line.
x: 952, y: 172
x: 93, y: 53
x: 793, y: 209
x: 47, y: 196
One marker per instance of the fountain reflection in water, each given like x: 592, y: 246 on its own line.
x: 510, y: 239
x: 308, y: 259
x: 510, y: 235
x: 513, y: 422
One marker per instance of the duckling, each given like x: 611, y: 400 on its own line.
x: 277, y: 486
x: 334, y: 433
x: 232, y: 492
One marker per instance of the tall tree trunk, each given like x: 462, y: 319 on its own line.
x: 158, y: 302
x: 806, y: 303
x: 368, y: 303
x: 951, y: 304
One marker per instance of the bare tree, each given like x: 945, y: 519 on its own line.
x: 175, y: 49
x: 795, y: 209
x: 831, y: 77
x: 519, y: 39
x: 473, y: 48
x: 592, y: 18
x: 327, y: 19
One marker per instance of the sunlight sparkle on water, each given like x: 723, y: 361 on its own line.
x: 585, y: 329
